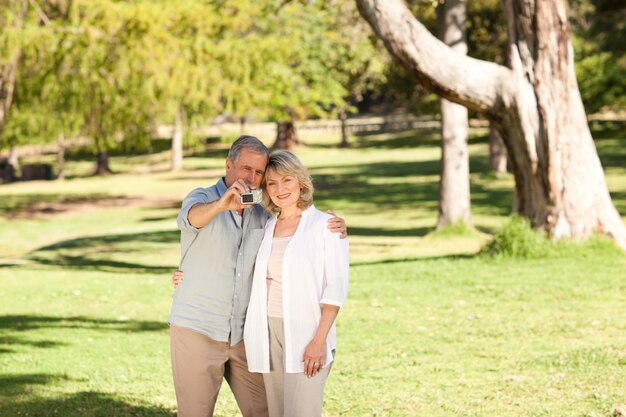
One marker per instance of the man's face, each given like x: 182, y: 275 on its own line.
x: 249, y: 167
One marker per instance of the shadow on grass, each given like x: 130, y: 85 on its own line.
x: 14, y: 340
x: 82, y: 404
x: 371, y: 231
x: 159, y: 218
x: 354, y: 185
x: 34, y: 322
x: 162, y: 236
x: 14, y: 385
x: 57, y: 253
x: 388, y: 139
x: 393, y: 140
x: 12, y: 205
x: 416, y: 259
x: 611, y: 145
x: 619, y: 199
x: 105, y: 265
x: 21, y: 324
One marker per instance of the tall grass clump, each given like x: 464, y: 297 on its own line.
x: 518, y: 239
x: 457, y: 229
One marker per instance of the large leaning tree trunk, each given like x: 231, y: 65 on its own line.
x: 534, y: 103
x: 454, y: 189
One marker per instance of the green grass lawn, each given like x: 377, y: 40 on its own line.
x: 430, y: 328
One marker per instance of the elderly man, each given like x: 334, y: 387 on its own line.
x: 220, y: 238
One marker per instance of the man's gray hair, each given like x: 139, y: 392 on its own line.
x: 249, y: 142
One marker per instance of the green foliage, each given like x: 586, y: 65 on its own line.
x: 293, y: 60
x: 111, y: 70
x: 486, y: 31
x: 518, y: 239
x: 599, y: 29
x: 183, y: 72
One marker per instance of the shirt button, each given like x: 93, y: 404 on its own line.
x: 238, y: 275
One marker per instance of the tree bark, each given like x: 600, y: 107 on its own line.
x: 8, y: 72
x: 454, y: 189
x: 177, y: 142
x: 535, y: 105
x: 7, y: 88
x: 285, y: 136
x: 102, y: 158
x: 344, y: 131
x: 102, y: 164
x: 497, y: 152
x: 13, y: 159
x: 61, y: 157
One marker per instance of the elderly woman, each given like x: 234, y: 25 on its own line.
x: 300, y: 282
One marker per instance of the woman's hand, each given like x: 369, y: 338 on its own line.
x: 313, y: 358
x: 177, y: 278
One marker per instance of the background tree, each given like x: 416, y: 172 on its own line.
x: 357, y: 62
x: 534, y: 103
x: 454, y: 189
x: 13, y: 15
x: 184, y: 76
x: 41, y: 112
x: 104, y: 66
x: 487, y: 40
x: 280, y: 61
x: 300, y: 77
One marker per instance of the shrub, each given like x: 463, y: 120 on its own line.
x: 519, y: 240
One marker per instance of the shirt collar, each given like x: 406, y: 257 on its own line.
x: 221, y: 186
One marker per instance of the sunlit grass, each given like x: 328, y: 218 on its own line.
x: 429, y: 328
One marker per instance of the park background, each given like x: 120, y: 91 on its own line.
x: 125, y: 106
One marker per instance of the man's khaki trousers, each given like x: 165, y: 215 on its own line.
x: 199, y: 364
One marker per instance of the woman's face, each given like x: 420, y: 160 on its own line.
x: 284, y: 190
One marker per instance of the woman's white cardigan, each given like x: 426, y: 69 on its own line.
x: 315, y: 271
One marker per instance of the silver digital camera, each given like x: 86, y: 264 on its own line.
x: 253, y: 197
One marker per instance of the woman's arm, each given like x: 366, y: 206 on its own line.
x: 177, y: 278
x: 315, y: 352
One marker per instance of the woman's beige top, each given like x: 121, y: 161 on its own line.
x: 275, y: 277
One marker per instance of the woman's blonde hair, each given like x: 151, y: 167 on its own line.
x: 286, y: 163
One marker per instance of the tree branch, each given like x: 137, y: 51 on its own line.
x: 42, y: 15
x: 476, y: 84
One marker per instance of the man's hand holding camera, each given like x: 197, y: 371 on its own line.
x: 231, y: 200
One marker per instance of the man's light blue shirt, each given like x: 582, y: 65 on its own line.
x: 218, y: 262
